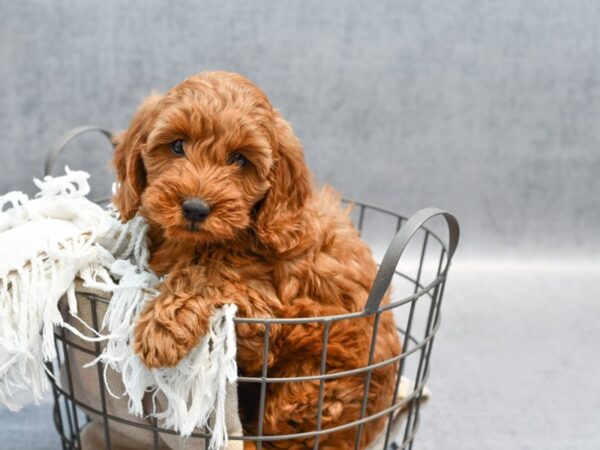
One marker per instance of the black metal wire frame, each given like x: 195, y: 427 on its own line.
x: 71, y: 414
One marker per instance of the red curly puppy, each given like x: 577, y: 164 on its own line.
x: 234, y: 217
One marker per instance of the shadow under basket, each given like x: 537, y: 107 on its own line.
x: 417, y: 281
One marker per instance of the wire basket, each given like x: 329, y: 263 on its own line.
x: 418, y: 282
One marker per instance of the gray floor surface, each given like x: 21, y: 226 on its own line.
x: 515, y: 365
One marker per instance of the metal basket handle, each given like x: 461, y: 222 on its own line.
x: 393, y: 253
x: 68, y: 137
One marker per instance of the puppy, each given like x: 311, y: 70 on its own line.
x: 234, y: 217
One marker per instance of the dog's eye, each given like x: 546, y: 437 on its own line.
x: 238, y: 159
x: 177, y: 147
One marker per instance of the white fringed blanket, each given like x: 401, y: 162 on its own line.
x: 48, y: 242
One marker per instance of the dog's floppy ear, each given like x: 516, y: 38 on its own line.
x: 127, y: 160
x: 280, y: 219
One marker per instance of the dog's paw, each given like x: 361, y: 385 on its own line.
x: 167, y: 331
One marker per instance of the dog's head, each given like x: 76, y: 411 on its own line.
x: 211, y: 159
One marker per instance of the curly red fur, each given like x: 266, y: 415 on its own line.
x: 272, y: 244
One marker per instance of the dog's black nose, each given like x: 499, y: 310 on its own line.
x: 195, y: 209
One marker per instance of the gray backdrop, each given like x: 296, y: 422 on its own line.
x: 489, y: 109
